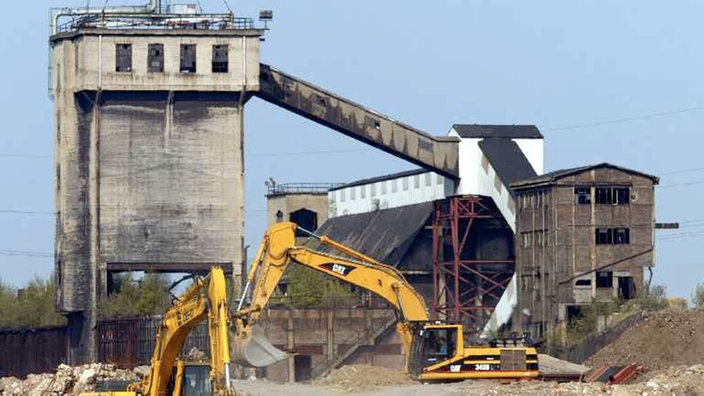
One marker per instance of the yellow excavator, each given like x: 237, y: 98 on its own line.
x: 434, y: 351
x: 205, y: 299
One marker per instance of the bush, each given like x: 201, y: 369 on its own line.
x: 31, y: 306
x: 698, y: 296
x: 654, y: 298
x: 311, y: 289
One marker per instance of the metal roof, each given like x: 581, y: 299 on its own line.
x: 500, y: 131
x: 553, y: 176
x: 384, y: 234
x: 507, y: 159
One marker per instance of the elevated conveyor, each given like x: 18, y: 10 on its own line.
x: 439, y: 154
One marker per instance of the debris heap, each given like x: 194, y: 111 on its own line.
x: 66, y: 380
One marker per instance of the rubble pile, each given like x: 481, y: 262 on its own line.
x: 364, y: 377
x: 663, y: 339
x: 66, y: 380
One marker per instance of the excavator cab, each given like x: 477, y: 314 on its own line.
x: 190, y: 379
x: 432, y: 344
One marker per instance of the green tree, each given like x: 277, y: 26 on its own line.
x: 136, y: 297
x: 654, y: 298
x: 698, y: 296
x: 308, y: 288
x: 31, y: 306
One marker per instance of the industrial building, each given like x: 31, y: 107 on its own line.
x: 583, y: 235
x: 149, y: 105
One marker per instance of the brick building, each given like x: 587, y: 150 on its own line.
x: 583, y: 235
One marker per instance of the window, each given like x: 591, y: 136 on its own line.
x: 304, y: 218
x: 612, y: 195
x: 394, y: 186
x: 416, y: 181
x: 604, y: 279
x: 373, y: 190
x: 155, y: 58
x: 485, y: 163
x: 497, y: 184
x: 353, y: 194
x: 363, y: 191
x: 427, y: 180
x: 188, y: 58
x: 582, y: 195
x: 604, y: 236
x: 342, y: 195
x: 622, y: 236
x: 383, y: 187
x: 613, y: 236
x: 583, y: 282
x: 123, y: 57
x: 439, y: 177
x: 405, y: 184
x: 220, y: 59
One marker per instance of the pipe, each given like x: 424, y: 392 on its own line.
x: 151, y: 8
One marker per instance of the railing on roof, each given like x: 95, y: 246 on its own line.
x: 301, y: 188
x: 156, y: 21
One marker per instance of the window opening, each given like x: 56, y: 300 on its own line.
x: 220, y: 59
x: 123, y: 57
x: 155, y: 58
x: 188, y: 58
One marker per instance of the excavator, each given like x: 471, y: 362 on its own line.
x: 433, y: 350
x: 205, y: 299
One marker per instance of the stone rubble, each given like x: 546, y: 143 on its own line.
x: 66, y: 380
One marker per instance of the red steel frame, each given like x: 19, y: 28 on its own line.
x: 455, y: 288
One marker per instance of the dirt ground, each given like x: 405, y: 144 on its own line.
x: 683, y: 380
x: 663, y: 339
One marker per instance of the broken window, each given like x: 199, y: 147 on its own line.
x: 220, y: 59
x: 155, y: 58
x: 583, y: 282
x: 613, y: 236
x: 622, y: 236
x: 612, y: 195
x: 123, y: 57
x: 582, y: 195
x: 604, y: 236
x: 188, y: 58
x: 604, y: 279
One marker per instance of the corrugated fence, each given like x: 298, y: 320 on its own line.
x: 126, y: 343
x: 29, y: 351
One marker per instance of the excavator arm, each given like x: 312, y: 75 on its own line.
x: 205, y: 299
x: 278, y: 250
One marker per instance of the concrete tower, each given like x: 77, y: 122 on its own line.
x: 149, y: 160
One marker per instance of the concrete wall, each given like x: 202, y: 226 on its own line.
x: 291, y: 202
x: 321, y: 333
x: 149, y: 166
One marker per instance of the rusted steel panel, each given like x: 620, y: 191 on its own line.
x: 29, y: 351
x: 439, y: 154
x: 128, y: 343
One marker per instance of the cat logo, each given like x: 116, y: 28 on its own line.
x: 340, y: 269
x: 455, y: 368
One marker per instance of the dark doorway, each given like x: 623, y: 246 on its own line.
x: 303, y: 366
x: 304, y: 218
x: 626, y: 288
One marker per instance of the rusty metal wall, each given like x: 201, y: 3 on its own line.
x: 128, y: 343
x: 29, y: 351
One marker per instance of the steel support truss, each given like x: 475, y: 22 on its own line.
x: 460, y: 284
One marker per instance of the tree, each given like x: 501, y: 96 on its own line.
x: 144, y: 297
x: 31, y: 306
x: 310, y: 289
x: 698, y: 296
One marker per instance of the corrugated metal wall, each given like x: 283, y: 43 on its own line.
x: 29, y: 351
x: 126, y: 343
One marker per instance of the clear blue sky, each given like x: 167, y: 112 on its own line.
x: 604, y: 81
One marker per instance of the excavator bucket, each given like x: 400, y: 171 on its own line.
x: 251, y: 348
